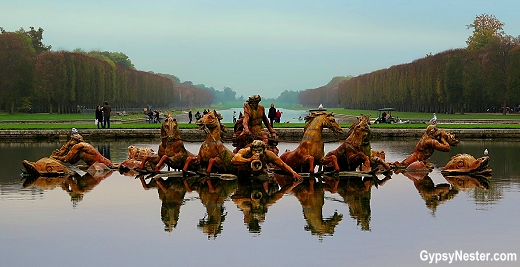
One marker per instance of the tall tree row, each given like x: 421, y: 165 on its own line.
x: 17, y: 58
x: 483, y: 76
x: 453, y: 81
x: 187, y: 95
x: 326, y: 95
x: 61, y: 82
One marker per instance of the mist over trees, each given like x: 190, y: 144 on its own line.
x: 326, y: 95
x: 32, y: 78
x: 483, y: 76
x: 228, y: 97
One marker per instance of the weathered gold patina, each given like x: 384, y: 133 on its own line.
x: 213, y: 155
x: 172, y: 150
x: 310, y: 151
x: 355, y: 152
x: 467, y: 164
x: 77, y: 149
x: 433, y: 139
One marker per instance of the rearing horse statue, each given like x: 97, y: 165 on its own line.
x: 213, y: 154
x: 355, y: 150
x: 172, y: 150
x: 310, y: 151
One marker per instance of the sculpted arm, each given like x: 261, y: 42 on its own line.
x: 240, y: 159
x: 72, y: 156
x: 273, y: 158
x: 63, y: 150
x: 443, y: 145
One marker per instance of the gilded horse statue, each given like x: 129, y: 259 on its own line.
x: 355, y: 152
x: 172, y: 150
x: 310, y: 151
x: 213, y: 155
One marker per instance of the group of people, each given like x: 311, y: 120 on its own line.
x: 103, y: 116
x: 153, y: 116
x: 274, y: 115
x: 197, y: 115
x: 235, y: 116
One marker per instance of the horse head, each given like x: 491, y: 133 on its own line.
x: 359, y: 131
x: 332, y: 124
x: 322, y: 120
x: 169, y: 129
x: 211, y: 122
x: 361, y: 126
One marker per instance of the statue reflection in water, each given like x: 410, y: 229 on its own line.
x: 432, y: 194
x: 311, y: 196
x: 356, y: 193
x: 254, y: 196
x: 468, y: 182
x: 171, y: 193
x: 75, y: 185
x: 212, y: 194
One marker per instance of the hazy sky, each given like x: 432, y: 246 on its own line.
x: 258, y: 47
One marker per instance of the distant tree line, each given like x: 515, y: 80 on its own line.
x: 34, y: 78
x: 453, y: 81
x: 326, y: 95
x: 484, y: 76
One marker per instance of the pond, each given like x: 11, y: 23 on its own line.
x: 123, y: 221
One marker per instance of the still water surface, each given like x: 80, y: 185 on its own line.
x: 122, y: 221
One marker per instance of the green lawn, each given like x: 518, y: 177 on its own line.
x: 428, y: 116
x: 129, y: 122
x: 73, y: 116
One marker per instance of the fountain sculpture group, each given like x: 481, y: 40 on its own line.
x: 255, y: 177
x: 353, y: 156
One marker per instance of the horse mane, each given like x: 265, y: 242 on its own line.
x: 360, y: 120
x: 310, y: 117
x: 168, y: 118
x: 223, y: 130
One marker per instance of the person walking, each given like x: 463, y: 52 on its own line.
x: 106, y: 115
x: 278, y: 116
x: 272, y: 114
x: 150, y: 116
x: 156, y: 117
x: 234, y: 116
x: 99, y: 117
x: 190, y: 116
